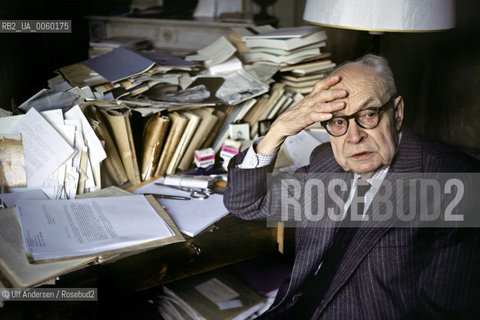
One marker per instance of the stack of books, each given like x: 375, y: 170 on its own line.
x: 299, y: 52
x: 302, y: 77
x: 285, y: 46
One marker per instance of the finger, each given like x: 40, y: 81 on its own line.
x: 326, y: 83
x: 328, y: 95
x: 329, y: 107
x: 313, y: 117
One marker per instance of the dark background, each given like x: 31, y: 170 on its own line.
x: 437, y: 73
x: 27, y: 61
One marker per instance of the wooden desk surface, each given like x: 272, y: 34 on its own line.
x: 228, y: 241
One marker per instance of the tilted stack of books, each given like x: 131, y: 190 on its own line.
x: 299, y: 51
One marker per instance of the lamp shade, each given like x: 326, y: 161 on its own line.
x: 382, y: 15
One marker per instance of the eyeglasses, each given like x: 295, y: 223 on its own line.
x: 367, y: 118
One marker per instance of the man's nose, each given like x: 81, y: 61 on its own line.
x: 355, y: 133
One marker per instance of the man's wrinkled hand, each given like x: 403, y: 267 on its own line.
x: 315, y: 107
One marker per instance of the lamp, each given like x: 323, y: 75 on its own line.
x: 378, y: 16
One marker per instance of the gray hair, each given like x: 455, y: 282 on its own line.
x: 379, y: 65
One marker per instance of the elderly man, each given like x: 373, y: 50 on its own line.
x: 362, y: 273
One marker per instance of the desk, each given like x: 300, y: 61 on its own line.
x: 122, y: 284
x: 228, y: 241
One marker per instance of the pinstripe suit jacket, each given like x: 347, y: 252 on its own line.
x: 387, y: 272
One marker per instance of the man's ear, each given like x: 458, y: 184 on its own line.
x: 398, y: 112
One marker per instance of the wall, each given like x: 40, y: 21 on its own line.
x: 28, y: 60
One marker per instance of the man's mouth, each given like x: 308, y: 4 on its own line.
x: 361, y: 155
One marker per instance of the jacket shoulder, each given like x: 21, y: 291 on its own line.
x: 440, y: 157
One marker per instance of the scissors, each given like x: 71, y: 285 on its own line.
x: 195, y: 193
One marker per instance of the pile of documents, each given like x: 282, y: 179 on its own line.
x: 56, y: 237
x: 130, y: 117
x: 218, y: 294
x: 61, y: 152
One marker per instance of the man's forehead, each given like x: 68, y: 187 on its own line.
x: 364, y: 86
x: 357, y: 76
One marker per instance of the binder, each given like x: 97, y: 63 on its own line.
x: 119, y: 121
x: 153, y: 139
x: 113, y: 162
x: 179, y: 122
x: 17, y: 272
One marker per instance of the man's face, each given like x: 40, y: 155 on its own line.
x: 365, y: 151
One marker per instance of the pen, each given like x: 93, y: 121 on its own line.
x: 167, y: 196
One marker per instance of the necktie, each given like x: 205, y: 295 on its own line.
x: 358, y: 204
x: 316, y: 285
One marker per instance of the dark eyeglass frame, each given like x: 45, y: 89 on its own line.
x: 355, y: 116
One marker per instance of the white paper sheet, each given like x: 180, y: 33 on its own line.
x: 68, y: 228
x: 320, y: 134
x: 216, y: 291
x: 19, y: 194
x: 95, y: 148
x: 45, y: 149
x: 54, y: 185
x: 190, y: 216
x: 299, y: 147
x: 240, y: 86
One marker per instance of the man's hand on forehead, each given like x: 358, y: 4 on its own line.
x: 318, y: 106
x: 323, y: 96
x: 315, y: 107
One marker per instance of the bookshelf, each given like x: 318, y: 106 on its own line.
x: 168, y: 34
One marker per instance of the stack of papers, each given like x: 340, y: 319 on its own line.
x: 191, y: 216
x: 83, y: 227
x: 61, y: 151
x: 66, y: 235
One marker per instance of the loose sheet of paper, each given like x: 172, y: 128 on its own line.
x: 320, y: 134
x: 299, y: 147
x: 95, y: 148
x: 216, y: 291
x: 240, y: 86
x: 70, y: 228
x: 12, y: 161
x: 190, y: 216
x: 21, y: 194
